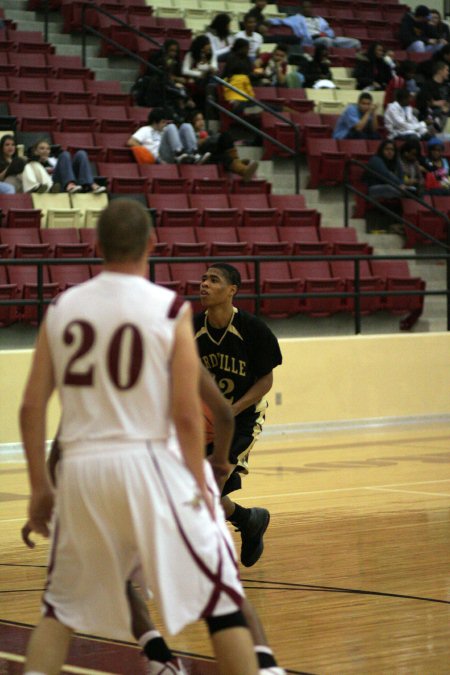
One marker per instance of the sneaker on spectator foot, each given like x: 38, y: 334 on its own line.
x: 183, y: 158
x: 252, y: 534
x: 201, y: 159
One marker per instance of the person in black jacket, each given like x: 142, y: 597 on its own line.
x: 371, y: 70
x: 416, y: 33
x: 433, y: 99
x: 317, y: 68
x: 389, y: 183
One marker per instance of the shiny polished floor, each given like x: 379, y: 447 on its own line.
x: 355, y: 577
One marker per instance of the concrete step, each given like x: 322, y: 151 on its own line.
x: 11, y: 5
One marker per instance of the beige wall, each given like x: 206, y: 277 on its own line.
x: 321, y: 379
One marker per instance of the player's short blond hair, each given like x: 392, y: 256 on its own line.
x: 123, y: 231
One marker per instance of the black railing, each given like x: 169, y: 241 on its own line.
x: 293, y: 152
x: 357, y: 294
x: 445, y: 246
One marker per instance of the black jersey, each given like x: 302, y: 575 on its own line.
x: 238, y: 356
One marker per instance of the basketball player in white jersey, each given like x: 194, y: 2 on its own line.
x: 130, y: 493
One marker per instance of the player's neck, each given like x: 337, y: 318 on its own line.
x: 132, y: 268
x: 220, y: 316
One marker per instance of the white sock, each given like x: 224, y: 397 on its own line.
x: 149, y: 635
x: 33, y: 672
x: 264, y: 649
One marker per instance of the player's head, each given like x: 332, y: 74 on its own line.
x: 123, y: 231
x: 219, y: 285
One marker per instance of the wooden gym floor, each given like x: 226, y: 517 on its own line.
x: 355, y: 577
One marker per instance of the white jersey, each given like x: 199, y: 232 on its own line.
x: 111, y: 341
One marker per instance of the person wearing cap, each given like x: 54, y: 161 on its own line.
x: 161, y: 141
x: 437, y: 179
x: 400, y: 121
x: 416, y: 33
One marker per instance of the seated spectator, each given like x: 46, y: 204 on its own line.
x: 416, y: 33
x: 432, y: 100
x: 162, y: 142
x: 271, y: 69
x: 437, y: 179
x: 439, y: 28
x: 314, y: 30
x: 358, y: 120
x: 253, y: 38
x: 238, y: 70
x: 45, y: 173
x: 257, y: 12
x: 403, y: 79
x: 316, y: 68
x: 11, y: 166
x: 154, y: 90
x: 410, y: 162
x: 424, y: 69
x: 371, y: 71
x: 400, y: 121
x: 220, y: 36
x: 198, y: 65
x: 389, y: 183
x: 222, y: 149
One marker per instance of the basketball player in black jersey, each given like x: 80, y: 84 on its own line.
x: 241, y: 352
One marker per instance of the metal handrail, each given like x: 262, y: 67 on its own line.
x: 294, y: 153
x: 356, y: 294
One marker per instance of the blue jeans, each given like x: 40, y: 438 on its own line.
x: 7, y: 189
x: 176, y: 140
x: 341, y: 42
x: 76, y: 169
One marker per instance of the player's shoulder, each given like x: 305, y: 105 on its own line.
x: 251, y: 322
x: 198, y: 320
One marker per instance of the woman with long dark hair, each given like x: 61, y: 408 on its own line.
x: 11, y: 166
x: 198, y: 65
x: 371, y: 70
x: 220, y: 35
x: 389, y: 183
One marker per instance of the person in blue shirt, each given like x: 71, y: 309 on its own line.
x: 314, y: 30
x: 358, y: 120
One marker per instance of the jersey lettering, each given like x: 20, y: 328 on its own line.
x: 225, y: 362
x: 226, y: 386
x: 124, y: 359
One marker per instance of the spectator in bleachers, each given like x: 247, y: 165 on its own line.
x: 371, y: 71
x: 222, y: 149
x: 220, y: 36
x: 386, y: 162
x: 161, y: 141
x: 167, y: 59
x: 440, y: 29
x: 11, y: 166
x: 45, y: 173
x: 238, y: 71
x: 437, y: 178
x: 199, y: 64
x: 404, y: 78
x: 271, y: 69
x: 314, y: 30
x: 410, y: 161
x: 400, y: 121
x: 425, y: 68
x: 433, y: 97
x: 416, y: 32
x: 359, y: 120
x: 257, y: 11
x: 253, y: 38
x: 316, y: 68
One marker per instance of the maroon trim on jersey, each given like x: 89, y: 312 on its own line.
x: 175, y: 307
x: 49, y: 611
x: 215, y: 577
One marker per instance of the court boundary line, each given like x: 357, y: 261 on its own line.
x: 67, y: 668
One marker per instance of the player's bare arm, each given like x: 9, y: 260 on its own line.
x: 254, y: 394
x: 33, y: 410
x: 223, y: 426
x: 185, y: 397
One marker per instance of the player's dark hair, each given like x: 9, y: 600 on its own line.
x: 231, y: 274
x: 123, y: 230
